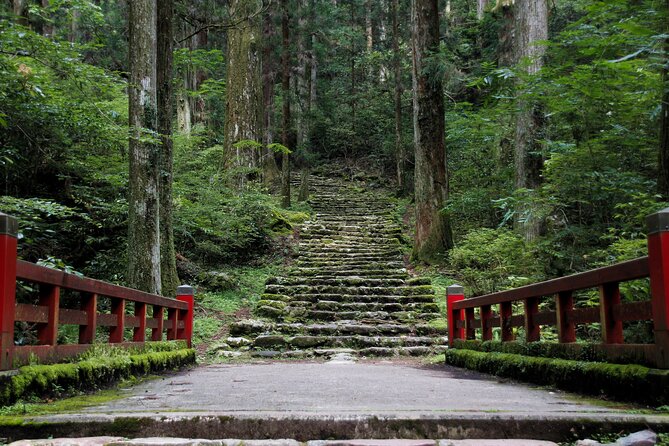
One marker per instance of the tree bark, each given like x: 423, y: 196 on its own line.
x: 369, y: 30
x: 243, y: 116
x: 481, y: 6
x: 531, y: 27
x: 143, y: 207
x: 74, y: 25
x: 400, y: 152
x: 285, y: 88
x: 301, y: 74
x: 165, y: 74
x: 505, y: 50
x: 271, y: 173
x: 48, y: 28
x: 433, y: 230
x: 663, y: 177
x: 20, y: 10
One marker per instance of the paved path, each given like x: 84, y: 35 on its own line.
x: 340, y: 400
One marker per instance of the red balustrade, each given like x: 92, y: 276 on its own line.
x: 611, y: 313
x: 49, y: 315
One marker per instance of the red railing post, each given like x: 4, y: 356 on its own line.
x: 505, y: 314
x: 173, y: 321
x: 89, y: 304
x: 658, y: 262
x: 564, y: 303
x: 454, y: 293
x: 186, y: 294
x: 159, y: 316
x: 532, y: 329
x: 118, y: 310
x: 609, y: 298
x: 139, y: 333
x: 486, y: 328
x: 9, y: 231
x: 49, y: 298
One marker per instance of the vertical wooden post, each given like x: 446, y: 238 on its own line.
x: 117, y: 309
x: 186, y: 294
x: 658, y: 261
x: 9, y: 230
x: 470, y: 331
x: 159, y: 316
x: 532, y: 329
x: 454, y: 293
x: 49, y: 296
x: 139, y: 332
x: 564, y: 304
x: 173, y: 321
x: 89, y: 304
x: 609, y: 297
x: 505, y: 313
x: 486, y: 328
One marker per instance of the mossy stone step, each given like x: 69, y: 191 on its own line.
x: 252, y: 327
x: 340, y: 281
x: 361, y: 298
x: 291, y: 290
x: 277, y: 341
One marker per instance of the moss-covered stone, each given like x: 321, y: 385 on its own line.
x: 625, y: 382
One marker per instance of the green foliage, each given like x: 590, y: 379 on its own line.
x: 489, y: 260
x: 620, y: 382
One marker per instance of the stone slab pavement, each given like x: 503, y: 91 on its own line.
x: 341, y: 400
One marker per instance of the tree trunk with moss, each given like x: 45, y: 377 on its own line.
x: 165, y: 72
x: 400, y: 152
x: 20, y: 10
x: 663, y: 177
x: 243, y: 115
x: 531, y: 27
x: 271, y: 173
x: 433, y: 230
x: 285, y: 87
x: 143, y: 206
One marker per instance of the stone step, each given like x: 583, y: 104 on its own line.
x: 340, y: 281
x: 327, y: 273
x: 305, y: 314
x: 362, y: 298
x: 278, y: 341
x: 292, y: 290
x: 254, y: 327
x: 335, y: 250
x: 347, y: 263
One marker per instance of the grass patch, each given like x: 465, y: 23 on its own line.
x: 621, y: 382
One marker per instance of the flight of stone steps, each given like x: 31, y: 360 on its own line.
x: 348, y: 291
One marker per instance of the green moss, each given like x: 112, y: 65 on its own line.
x: 39, y: 381
x: 624, y: 382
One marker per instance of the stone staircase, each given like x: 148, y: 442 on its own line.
x: 348, y: 292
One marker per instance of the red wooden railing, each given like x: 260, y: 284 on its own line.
x: 48, y: 315
x: 463, y: 322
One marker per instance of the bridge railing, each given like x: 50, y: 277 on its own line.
x: 466, y: 317
x: 84, y: 309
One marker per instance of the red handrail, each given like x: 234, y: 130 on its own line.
x: 48, y: 315
x: 611, y: 312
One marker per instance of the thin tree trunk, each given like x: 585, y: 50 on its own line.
x: 143, y: 207
x: 302, y: 81
x: 243, y: 115
x: 285, y: 87
x: 48, y: 28
x: 271, y: 173
x: 481, y: 6
x: 505, y: 50
x: 663, y: 177
x: 400, y: 153
x: 165, y: 74
x: 20, y: 10
x: 313, y: 86
x: 369, y: 30
x: 433, y: 231
x: 74, y: 25
x: 531, y: 27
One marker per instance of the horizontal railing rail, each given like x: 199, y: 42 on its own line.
x: 467, y: 317
x: 47, y: 314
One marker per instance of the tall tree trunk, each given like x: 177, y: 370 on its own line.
x: 505, y: 49
x: 369, y: 30
x: 143, y: 207
x: 74, y: 25
x: 285, y: 88
x: 48, y: 28
x: 20, y: 10
x: 313, y: 84
x: 301, y: 74
x: 481, y: 6
x: 400, y: 152
x: 165, y: 74
x: 243, y: 115
x: 663, y: 178
x: 271, y: 173
x: 433, y: 230
x: 531, y: 27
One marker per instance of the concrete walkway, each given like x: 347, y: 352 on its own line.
x: 340, y: 400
